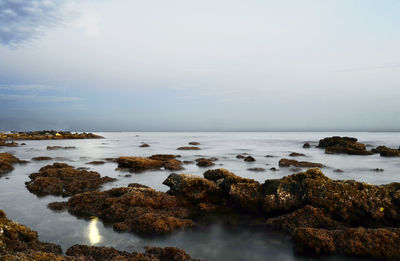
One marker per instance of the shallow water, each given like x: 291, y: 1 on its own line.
x: 212, y: 243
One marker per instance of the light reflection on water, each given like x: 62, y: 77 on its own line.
x: 93, y: 233
x: 212, y: 243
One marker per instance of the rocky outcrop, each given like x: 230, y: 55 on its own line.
x: 60, y: 147
x: 135, y: 208
x: 6, y: 162
x: 47, y: 135
x: 158, y: 161
x: 41, y: 158
x: 18, y: 242
x: 306, y: 145
x: 204, y: 162
x: 386, y: 152
x: 188, y: 148
x: 301, y: 164
x: 62, y: 179
x: 344, y: 145
x: 380, y: 244
x: 3, y: 143
x: 296, y: 154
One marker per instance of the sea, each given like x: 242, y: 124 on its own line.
x: 213, y: 242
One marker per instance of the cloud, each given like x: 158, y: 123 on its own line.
x: 27, y: 87
x: 38, y: 98
x: 22, y: 20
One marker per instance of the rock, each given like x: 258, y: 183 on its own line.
x: 379, y: 244
x: 377, y: 170
x: 18, y: 242
x: 60, y: 148
x: 144, y: 145
x: 188, y: 148
x: 6, y: 162
x: 345, y: 145
x: 154, y: 162
x: 111, y: 159
x: 62, y: 179
x: 135, y: 208
x: 240, y: 156
x: 58, y: 206
x: 269, y: 156
x: 274, y: 169
x: 307, y: 216
x: 202, y: 162
x: 3, y: 143
x: 249, y: 159
x: 83, y: 252
x: 163, y: 156
x: 302, y: 164
x: 188, y: 162
x: 96, y: 162
x: 306, y: 145
x: 338, y: 171
x: 256, y: 169
x: 194, y: 143
x: 48, y: 135
x: 295, y: 154
x: 42, y: 158
x: 386, y: 152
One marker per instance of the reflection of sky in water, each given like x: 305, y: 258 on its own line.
x: 93, y: 232
x: 211, y: 243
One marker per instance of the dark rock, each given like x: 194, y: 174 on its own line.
x: 6, y: 162
x: 41, y: 158
x: 249, y: 159
x: 194, y: 143
x: 65, y: 180
x: 58, y: 206
x: 345, y: 145
x: 188, y: 162
x: 154, y: 162
x: 202, y: 162
x: 240, y: 156
x: 338, y: 170
x: 380, y: 244
x: 302, y: 164
x: 295, y: 154
x: 274, y: 169
x: 269, y: 156
x: 306, y: 145
x: 96, y: 162
x: 256, y: 169
x: 377, y: 170
x: 135, y: 208
x: 188, y: 148
x: 60, y: 148
x: 144, y: 145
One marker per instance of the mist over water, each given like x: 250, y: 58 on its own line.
x: 214, y: 242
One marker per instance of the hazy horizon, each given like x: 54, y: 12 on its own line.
x: 200, y: 65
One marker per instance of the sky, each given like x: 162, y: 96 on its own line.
x: 191, y: 65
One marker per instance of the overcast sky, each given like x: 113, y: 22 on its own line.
x: 191, y: 65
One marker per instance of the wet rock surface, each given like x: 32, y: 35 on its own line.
x: 188, y: 148
x: 343, y: 145
x: 41, y: 158
x: 301, y: 164
x: 60, y: 147
x: 62, y: 179
x: 137, y: 164
x: 47, y: 135
x: 386, y: 152
x: 6, y: 162
x: 296, y: 154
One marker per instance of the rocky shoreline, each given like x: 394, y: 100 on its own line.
x: 46, y: 135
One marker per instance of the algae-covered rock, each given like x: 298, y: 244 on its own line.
x: 302, y: 164
x: 345, y: 145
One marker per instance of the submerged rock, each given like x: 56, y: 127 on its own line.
x: 42, y: 158
x: 154, y: 162
x: 306, y: 145
x: 60, y: 147
x: 6, y: 162
x: 256, y: 169
x: 62, y: 179
x: 302, y: 164
x: 345, y: 145
x: 296, y: 154
x: 188, y: 148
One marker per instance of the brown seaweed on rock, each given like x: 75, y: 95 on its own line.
x: 345, y: 145
x: 302, y: 164
x: 158, y: 161
x: 6, y: 162
x: 65, y: 180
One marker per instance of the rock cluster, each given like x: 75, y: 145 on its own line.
x: 3, y: 143
x: 157, y: 161
x: 386, y: 152
x: 6, y: 162
x: 344, y: 145
x: 62, y: 179
x: 47, y: 135
x: 18, y: 242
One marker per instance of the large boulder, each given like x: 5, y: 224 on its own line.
x: 343, y: 145
x: 154, y: 162
x: 65, y: 180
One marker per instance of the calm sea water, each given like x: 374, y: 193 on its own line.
x: 212, y: 243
